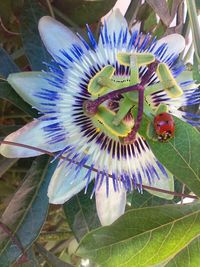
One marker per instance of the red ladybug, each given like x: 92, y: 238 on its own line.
x: 164, y: 126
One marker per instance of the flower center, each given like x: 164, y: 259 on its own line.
x: 116, y: 105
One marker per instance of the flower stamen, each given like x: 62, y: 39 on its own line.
x: 91, y: 106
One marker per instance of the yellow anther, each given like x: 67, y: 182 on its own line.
x: 170, y: 85
x: 96, y: 86
x: 105, y: 119
x: 140, y: 58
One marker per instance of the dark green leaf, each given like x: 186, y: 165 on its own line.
x: 5, y: 11
x: 189, y: 256
x: 132, y: 10
x: 5, y: 164
x: 82, y: 12
x: 34, y: 48
x: 6, y: 92
x: 144, y: 11
x: 26, y: 211
x: 7, y: 65
x: 138, y: 200
x: 181, y: 154
x: 7, y: 129
x: 150, y: 23
x: 51, y: 258
x: 81, y: 213
x: 143, y: 237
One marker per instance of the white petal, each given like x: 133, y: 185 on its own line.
x: 29, y: 84
x: 56, y: 37
x: 31, y: 134
x: 65, y: 184
x: 115, y: 22
x: 166, y: 183
x: 175, y: 43
x: 111, y: 207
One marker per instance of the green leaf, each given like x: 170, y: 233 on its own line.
x: 150, y: 23
x: 34, y: 48
x: 5, y: 164
x: 6, y: 92
x: 183, y: 151
x: 5, y: 11
x: 189, y: 256
x: 51, y: 258
x: 7, y: 65
x: 82, y: 12
x: 143, y: 237
x: 7, y: 129
x: 26, y: 211
x: 138, y: 200
x: 81, y: 213
x: 132, y: 10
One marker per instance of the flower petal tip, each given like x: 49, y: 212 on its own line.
x: 45, y: 21
x: 116, y: 17
x: 6, y: 151
x: 53, y: 199
x: 175, y: 43
x: 111, y: 207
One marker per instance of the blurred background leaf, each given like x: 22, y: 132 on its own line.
x: 34, y: 48
x: 7, y: 65
x: 26, y: 212
x: 83, y: 11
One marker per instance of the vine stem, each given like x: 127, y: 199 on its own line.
x: 91, y: 106
x: 50, y: 8
x: 94, y: 169
x: 15, y: 240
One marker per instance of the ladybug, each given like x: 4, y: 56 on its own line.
x: 164, y: 126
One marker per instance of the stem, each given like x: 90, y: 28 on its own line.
x: 94, y: 169
x: 50, y: 9
x: 151, y: 69
x: 14, y: 239
x: 131, y: 137
x: 91, y: 106
x: 183, y: 189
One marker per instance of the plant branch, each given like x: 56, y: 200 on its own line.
x: 94, y: 169
x: 91, y: 106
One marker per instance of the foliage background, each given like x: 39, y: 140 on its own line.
x: 32, y: 233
